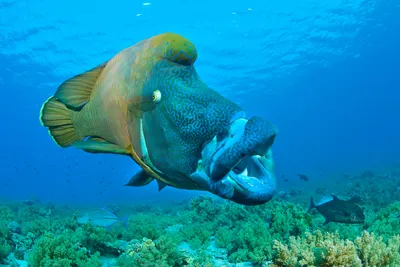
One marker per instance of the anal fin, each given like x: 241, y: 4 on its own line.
x: 161, y: 185
x: 99, y: 145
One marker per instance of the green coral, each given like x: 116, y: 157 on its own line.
x: 386, y: 221
x: 62, y: 250
x: 247, y: 241
x: 38, y: 226
x: 198, y: 234
x: 6, y: 215
x: 248, y: 232
x: 288, y: 219
x: 204, y: 208
x: 63, y: 242
x: 146, y: 225
x: 5, y: 249
x: 348, y: 231
x: 149, y: 253
x: 29, y: 213
x: 207, y: 231
x: 94, y: 238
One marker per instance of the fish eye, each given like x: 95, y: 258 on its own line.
x: 156, y: 97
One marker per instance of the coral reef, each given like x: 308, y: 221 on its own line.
x: 327, y: 249
x: 206, y: 232
x: 62, y: 250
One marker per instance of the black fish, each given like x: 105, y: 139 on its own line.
x: 303, y: 177
x: 341, y: 211
x: 28, y: 202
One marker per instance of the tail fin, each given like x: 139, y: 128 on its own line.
x: 57, y: 118
x: 312, y: 204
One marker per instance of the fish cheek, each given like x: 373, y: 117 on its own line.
x: 171, y: 136
x: 160, y: 139
x: 346, y: 214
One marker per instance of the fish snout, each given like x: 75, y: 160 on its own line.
x: 239, y: 165
x: 252, y: 137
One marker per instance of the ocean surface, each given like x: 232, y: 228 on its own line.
x: 326, y: 73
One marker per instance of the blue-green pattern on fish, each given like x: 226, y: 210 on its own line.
x: 149, y: 103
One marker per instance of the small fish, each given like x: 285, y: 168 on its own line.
x: 281, y: 195
x: 29, y: 202
x: 303, y: 177
x: 337, y: 210
x: 102, y: 217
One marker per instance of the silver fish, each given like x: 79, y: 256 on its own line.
x: 101, y: 217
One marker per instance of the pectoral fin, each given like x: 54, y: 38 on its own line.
x: 99, y: 145
x: 326, y: 221
x: 134, y: 110
x: 141, y: 178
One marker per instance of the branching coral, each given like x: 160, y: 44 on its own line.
x: 328, y: 249
x: 149, y: 253
x: 374, y: 251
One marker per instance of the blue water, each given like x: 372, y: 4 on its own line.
x: 325, y: 72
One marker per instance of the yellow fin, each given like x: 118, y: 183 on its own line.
x: 57, y: 117
x: 75, y: 92
x: 99, y: 145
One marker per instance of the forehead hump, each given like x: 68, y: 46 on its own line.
x: 167, y: 46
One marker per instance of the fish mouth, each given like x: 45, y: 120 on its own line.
x: 238, y: 162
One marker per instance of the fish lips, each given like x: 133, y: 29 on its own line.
x: 257, y: 184
x: 243, y: 159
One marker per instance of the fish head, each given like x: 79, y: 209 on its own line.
x: 352, y: 212
x: 349, y: 214
x: 83, y: 219
x: 195, y: 138
x: 357, y: 215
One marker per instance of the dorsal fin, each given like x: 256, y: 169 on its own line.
x: 334, y: 197
x: 75, y: 92
x: 324, y: 199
